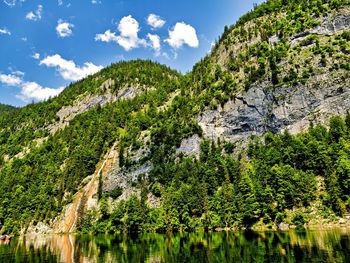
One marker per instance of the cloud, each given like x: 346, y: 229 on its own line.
x: 13, y: 79
x: 212, y: 45
x: 182, y: 34
x: 10, y: 3
x: 34, y: 91
x: 4, y: 31
x: 36, y: 56
x: 155, y: 43
x: 60, y: 2
x: 107, y: 36
x: 36, y: 15
x: 29, y: 90
x: 129, y: 28
x: 155, y: 21
x: 68, y: 69
x: 95, y: 2
x: 64, y: 29
x: 128, y: 38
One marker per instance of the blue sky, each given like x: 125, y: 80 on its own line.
x: 45, y: 45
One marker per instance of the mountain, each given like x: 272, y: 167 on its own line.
x: 6, y: 108
x: 257, y: 135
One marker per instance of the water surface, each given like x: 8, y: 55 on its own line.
x: 309, y: 246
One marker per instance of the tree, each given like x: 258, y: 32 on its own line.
x: 134, y: 220
x: 337, y: 128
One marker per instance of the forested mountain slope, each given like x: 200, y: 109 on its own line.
x: 6, y: 109
x: 257, y: 134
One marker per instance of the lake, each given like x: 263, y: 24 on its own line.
x: 291, y: 246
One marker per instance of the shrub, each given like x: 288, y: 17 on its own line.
x: 299, y: 220
x: 279, y: 217
x: 346, y: 35
x: 116, y: 192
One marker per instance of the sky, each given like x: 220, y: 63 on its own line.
x: 45, y: 45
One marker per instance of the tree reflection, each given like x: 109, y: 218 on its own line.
x: 292, y: 246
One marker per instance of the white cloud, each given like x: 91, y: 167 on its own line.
x: 11, y: 79
x: 68, y: 69
x: 35, y: 15
x: 60, y: 2
x: 182, y: 34
x: 155, y: 43
x: 34, y: 91
x: 18, y: 73
x: 4, y: 31
x: 212, y: 45
x: 29, y: 90
x: 107, y: 36
x: 95, y: 2
x: 155, y: 21
x: 128, y: 38
x: 31, y: 16
x: 64, y: 29
x: 129, y: 28
x: 36, y: 56
x: 10, y: 3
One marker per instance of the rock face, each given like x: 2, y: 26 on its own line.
x: 334, y: 23
x: 190, y: 146
x: 40, y: 228
x: 291, y: 108
x: 84, y: 104
x: 81, y: 105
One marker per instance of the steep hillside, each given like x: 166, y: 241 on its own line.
x: 41, y: 167
x: 289, y: 68
x: 284, y: 67
x: 237, y: 142
x: 6, y: 109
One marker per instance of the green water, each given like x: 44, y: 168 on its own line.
x: 310, y: 246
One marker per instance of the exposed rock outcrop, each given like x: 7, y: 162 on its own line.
x: 85, y: 103
x: 333, y: 23
x: 84, y: 199
x: 263, y: 107
x: 291, y: 108
x: 190, y: 146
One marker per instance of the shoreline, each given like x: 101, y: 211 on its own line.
x: 313, y: 227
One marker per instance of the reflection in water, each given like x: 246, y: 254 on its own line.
x: 309, y: 246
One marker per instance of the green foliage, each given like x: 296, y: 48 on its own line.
x: 220, y: 191
x: 40, y: 171
x: 299, y: 220
x: 116, y: 192
x: 346, y: 35
x: 32, y: 188
x: 6, y: 109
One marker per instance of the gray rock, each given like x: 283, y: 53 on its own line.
x: 292, y: 108
x: 190, y: 146
x: 283, y: 227
x: 333, y: 23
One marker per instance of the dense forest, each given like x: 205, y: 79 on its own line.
x: 38, y: 179
x: 277, y: 178
x: 278, y: 174
x: 5, y: 109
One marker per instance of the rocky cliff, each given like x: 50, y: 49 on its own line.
x: 320, y: 89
